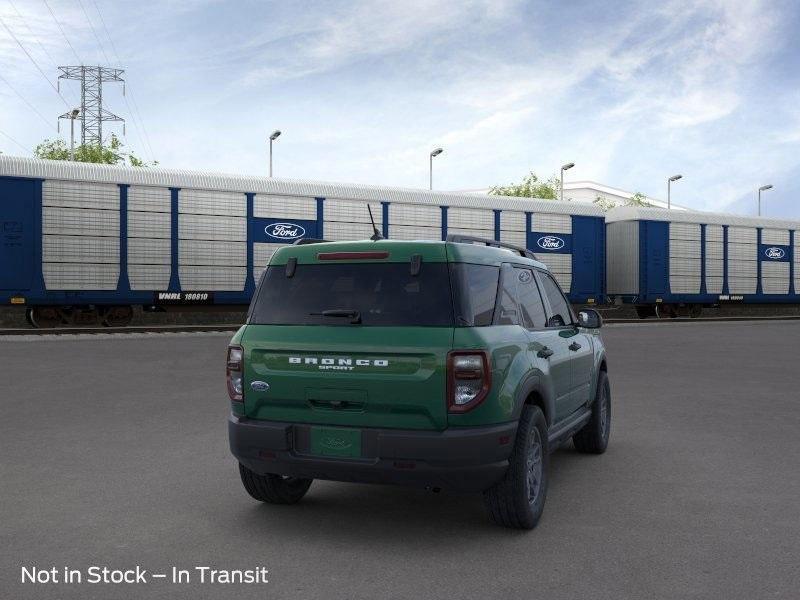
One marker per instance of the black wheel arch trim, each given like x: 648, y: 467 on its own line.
x: 534, y: 383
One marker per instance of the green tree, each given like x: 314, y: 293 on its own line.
x: 638, y: 199
x: 604, y: 202
x: 531, y: 187
x: 110, y: 154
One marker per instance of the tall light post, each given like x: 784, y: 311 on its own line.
x: 274, y: 136
x: 72, y: 116
x: 436, y: 152
x: 669, y: 189
x: 763, y: 188
x: 565, y: 167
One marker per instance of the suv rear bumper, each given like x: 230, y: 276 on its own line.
x: 461, y: 459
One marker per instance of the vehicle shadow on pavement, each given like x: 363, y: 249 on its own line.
x: 350, y: 511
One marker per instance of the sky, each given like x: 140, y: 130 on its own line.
x: 632, y: 92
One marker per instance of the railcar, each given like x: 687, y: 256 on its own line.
x: 674, y: 263
x: 83, y: 243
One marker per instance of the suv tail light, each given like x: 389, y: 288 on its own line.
x: 468, y: 379
x: 234, y: 372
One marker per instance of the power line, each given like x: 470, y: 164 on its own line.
x: 21, y: 97
x: 15, y: 141
x: 97, y: 37
x: 110, y: 39
x: 28, y: 54
x: 135, y: 114
x: 66, y: 39
x: 33, y: 35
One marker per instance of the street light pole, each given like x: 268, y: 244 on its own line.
x: 435, y: 152
x: 763, y: 188
x: 564, y: 168
x: 72, y: 115
x: 274, y: 136
x: 669, y: 190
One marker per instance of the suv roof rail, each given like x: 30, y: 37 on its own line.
x: 469, y: 239
x: 304, y: 241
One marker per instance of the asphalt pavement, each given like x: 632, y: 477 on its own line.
x: 114, y: 453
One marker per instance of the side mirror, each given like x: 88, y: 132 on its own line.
x: 590, y: 319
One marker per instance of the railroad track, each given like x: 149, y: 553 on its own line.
x: 122, y: 330
x: 703, y: 319
x: 230, y: 328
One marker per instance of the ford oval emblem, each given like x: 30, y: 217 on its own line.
x: 285, y: 231
x: 550, y: 242
x: 775, y: 253
x: 259, y: 386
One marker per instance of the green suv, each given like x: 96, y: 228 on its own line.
x: 454, y: 365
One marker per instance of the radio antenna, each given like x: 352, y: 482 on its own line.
x: 377, y: 234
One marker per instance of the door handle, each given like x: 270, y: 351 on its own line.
x: 545, y: 353
x: 574, y: 346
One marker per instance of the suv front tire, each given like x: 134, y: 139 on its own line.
x: 593, y: 437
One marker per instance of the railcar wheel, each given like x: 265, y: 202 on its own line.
x: 696, y: 311
x: 44, y: 317
x: 28, y: 317
x: 645, y: 311
x: 117, y: 316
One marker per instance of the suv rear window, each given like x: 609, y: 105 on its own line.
x: 384, y: 294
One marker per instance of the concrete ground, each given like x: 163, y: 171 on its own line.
x: 114, y: 452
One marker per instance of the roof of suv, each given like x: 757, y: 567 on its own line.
x: 400, y: 251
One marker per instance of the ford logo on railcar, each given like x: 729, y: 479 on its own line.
x: 550, y: 242
x: 285, y: 231
x: 775, y: 253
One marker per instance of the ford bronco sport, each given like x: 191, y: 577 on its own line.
x: 453, y: 365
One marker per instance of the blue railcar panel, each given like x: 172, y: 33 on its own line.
x: 124, y: 284
x: 725, y: 286
x: 775, y: 252
x: 385, y: 220
x: 544, y: 241
x: 653, y: 260
x: 18, y: 233
x: 174, y: 278
x: 703, y: 259
x: 759, y: 288
x: 792, y: 289
x: 320, y: 217
x: 250, y: 284
x: 587, y: 245
x: 281, y: 231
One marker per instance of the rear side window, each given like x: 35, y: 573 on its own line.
x: 530, y: 301
x: 384, y: 294
x: 474, y: 293
x: 560, y: 313
x: 508, y: 310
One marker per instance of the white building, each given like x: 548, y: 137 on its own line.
x: 589, y: 191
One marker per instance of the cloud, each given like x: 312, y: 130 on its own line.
x: 632, y: 92
x: 355, y: 31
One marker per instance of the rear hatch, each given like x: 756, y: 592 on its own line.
x: 352, y: 339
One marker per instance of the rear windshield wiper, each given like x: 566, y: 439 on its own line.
x: 353, y: 315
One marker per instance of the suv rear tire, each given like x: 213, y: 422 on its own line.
x: 518, y: 499
x: 274, y: 489
x: 593, y: 437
